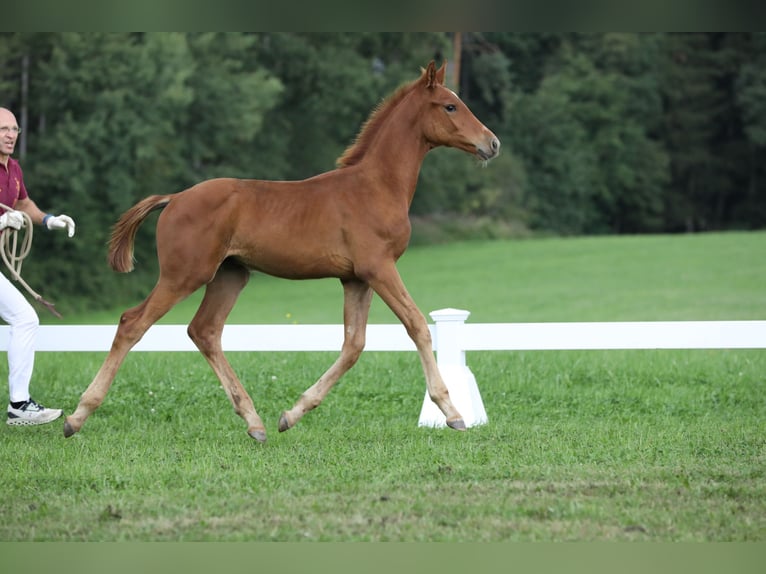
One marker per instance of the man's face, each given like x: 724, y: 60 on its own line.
x: 9, y: 132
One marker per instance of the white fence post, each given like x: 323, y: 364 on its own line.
x: 450, y: 356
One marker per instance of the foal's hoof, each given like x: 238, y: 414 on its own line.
x: 69, y: 430
x: 257, y: 434
x: 284, y: 424
x: 457, y: 424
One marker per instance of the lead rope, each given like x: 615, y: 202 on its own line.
x: 15, y: 245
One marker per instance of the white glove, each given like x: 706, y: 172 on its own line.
x: 12, y: 219
x: 60, y: 222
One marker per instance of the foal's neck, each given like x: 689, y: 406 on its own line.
x: 397, y: 153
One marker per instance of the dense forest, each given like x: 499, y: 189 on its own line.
x: 602, y: 133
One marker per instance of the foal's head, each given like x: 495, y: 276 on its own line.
x: 447, y: 121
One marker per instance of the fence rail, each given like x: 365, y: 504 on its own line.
x: 450, y: 333
x: 452, y: 338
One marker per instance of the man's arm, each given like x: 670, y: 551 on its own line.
x: 30, y: 208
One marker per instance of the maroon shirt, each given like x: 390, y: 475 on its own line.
x: 11, y: 183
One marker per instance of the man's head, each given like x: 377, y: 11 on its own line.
x: 9, y: 132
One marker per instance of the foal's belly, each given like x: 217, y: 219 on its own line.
x: 305, y: 265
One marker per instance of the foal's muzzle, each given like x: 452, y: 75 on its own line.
x: 491, y: 150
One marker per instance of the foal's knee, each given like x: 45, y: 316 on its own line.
x: 204, y: 339
x: 420, y: 334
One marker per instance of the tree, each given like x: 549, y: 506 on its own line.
x: 117, y: 117
x: 332, y: 83
x: 601, y: 132
x: 703, y: 129
x: 232, y: 97
x: 590, y: 162
x: 557, y: 160
x: 623, y: 118
x: 751, y: 99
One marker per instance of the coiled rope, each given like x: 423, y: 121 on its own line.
x: 15, y: 245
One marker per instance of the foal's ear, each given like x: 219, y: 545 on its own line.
x: 434, y: 77
x: 429, y: 74
x: 441, y: 72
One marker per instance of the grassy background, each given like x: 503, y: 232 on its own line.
x: 641, y: 278
x: 618, y: 445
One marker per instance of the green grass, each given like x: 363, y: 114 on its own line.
x: 644, y: 278
x: 614, y: 446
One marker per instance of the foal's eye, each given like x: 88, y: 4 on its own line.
x: 450, y: 107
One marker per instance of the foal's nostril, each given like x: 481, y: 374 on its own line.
x: 494, y: 144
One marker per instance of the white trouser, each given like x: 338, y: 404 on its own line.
x: 22, y: 318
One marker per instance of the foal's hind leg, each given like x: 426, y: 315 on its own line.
x: 133, y: 324
x: 356, y: 308
x: 206, y: 329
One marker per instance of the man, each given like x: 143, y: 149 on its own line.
x: 14, y: 307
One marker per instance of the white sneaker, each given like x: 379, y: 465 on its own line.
x: 31, y: 413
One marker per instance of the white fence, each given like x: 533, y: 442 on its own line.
x: 452, y: 336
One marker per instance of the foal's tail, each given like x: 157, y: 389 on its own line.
x: 124, y: 231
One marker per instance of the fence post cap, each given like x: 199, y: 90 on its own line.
x: 449, y: 314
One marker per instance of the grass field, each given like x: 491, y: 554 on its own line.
x: 715, y: 276
x: 607, y: 446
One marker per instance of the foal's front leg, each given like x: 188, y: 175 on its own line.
x: 388, y: 284
x: 356, y: 308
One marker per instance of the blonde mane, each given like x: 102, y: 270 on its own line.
x: 355, y: 152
